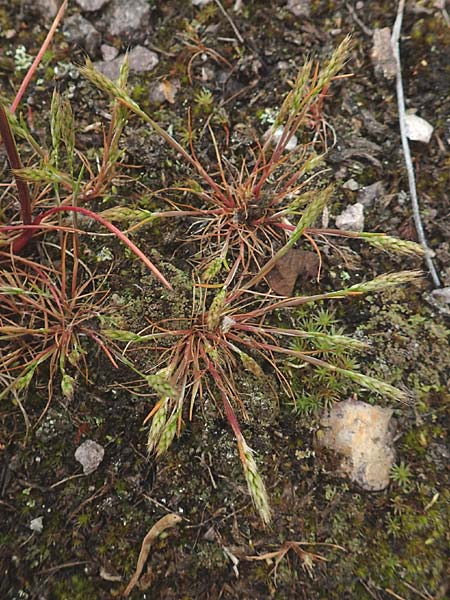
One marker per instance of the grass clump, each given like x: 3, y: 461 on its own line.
x: 246, y: 219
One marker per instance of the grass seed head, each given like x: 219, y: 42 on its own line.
x: 392, y: 244
x: 168, y: 433
x: 158, y: 422
x: 215, y: 310
x: 255, y: 483
x: 385, y: 281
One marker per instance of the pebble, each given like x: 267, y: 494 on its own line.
x: 442, y: 295
x: 352, y: 218
x: 79, y: 30
x: 299, y: 8
x: 91, y: 5
x: 140, y: 60
x: 277, y: 135
x: 125, y: 18
x: 90, y: 455
x: 37, y: 524
x: 108, y: 52
x: 351, y: 185
x: 367, y: 195
x: 362, y: 435
x: 417, y: 129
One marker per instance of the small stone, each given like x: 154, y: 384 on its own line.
x: 79, y: 30
x: 367, y: 195
x: 48, y: 8
x: 362, y: 435
x: 292, y: 143
x: 140, y: 60
x: 383, y: 54
x: 352, y: 218
x: 126, y: 18
x: 417, y: 129
x: 91, y: 5
x: 351, y: 185
x: 90, y: 455
x: 200, y: 2
x: 108, y: 52
x: 37, y: 524
x: 299, y: 8
x: 442, y: 295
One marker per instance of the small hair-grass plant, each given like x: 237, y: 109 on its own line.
x: 244, y: 219
x: 59, y: 181
x: 247, y: 213
x: 51, y: 301
x: 46, y: 317
x: 231, y: 327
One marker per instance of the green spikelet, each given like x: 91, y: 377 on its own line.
x: 383, y: 282
x: 215, y: 310
x: 213, y: 268
x: 111, y: 88
x: 386, y: 243
x: 168, y: 433
x: 67, y: 386
x: 374, y: 385
x: 160, y: 383
x: 255, y: 484
x: 158, y: 423
x: 46, y: 174
x: 251, y: 365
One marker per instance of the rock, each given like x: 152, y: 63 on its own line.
x: 37, y: 524
x: 200, y: 2
x: 442, y: 295
x: 351, y: 184
x: 47, y: 8
x: 108, y: 52
x: 372, y: 126
x: 417, y: 129
x: 367, y: 195
x: 383, y: 54
x: 299, y: 8
x: 276, y: 138
x: 90, y: 455
x: 125, y: 18
x: 91, y: 5
x: 79, y: 30
x: 352, y: 218
x: 362, y: 434
x: 140, y: 60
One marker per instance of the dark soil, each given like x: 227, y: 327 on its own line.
x: 383, y: 545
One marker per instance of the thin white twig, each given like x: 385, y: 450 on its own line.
x: 395, y: 40
x: 230, y: 21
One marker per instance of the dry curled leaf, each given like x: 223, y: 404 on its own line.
x: 293, y: 264
x: 165, y: 523
x: 169, y: 90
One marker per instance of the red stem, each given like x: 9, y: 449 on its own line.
x: 21, y: 242
x: 39, y: 56
x: 15, y: 163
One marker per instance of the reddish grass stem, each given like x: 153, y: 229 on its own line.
x: 39, y: 56
x: 119, y: 234
x: 15, y: 163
